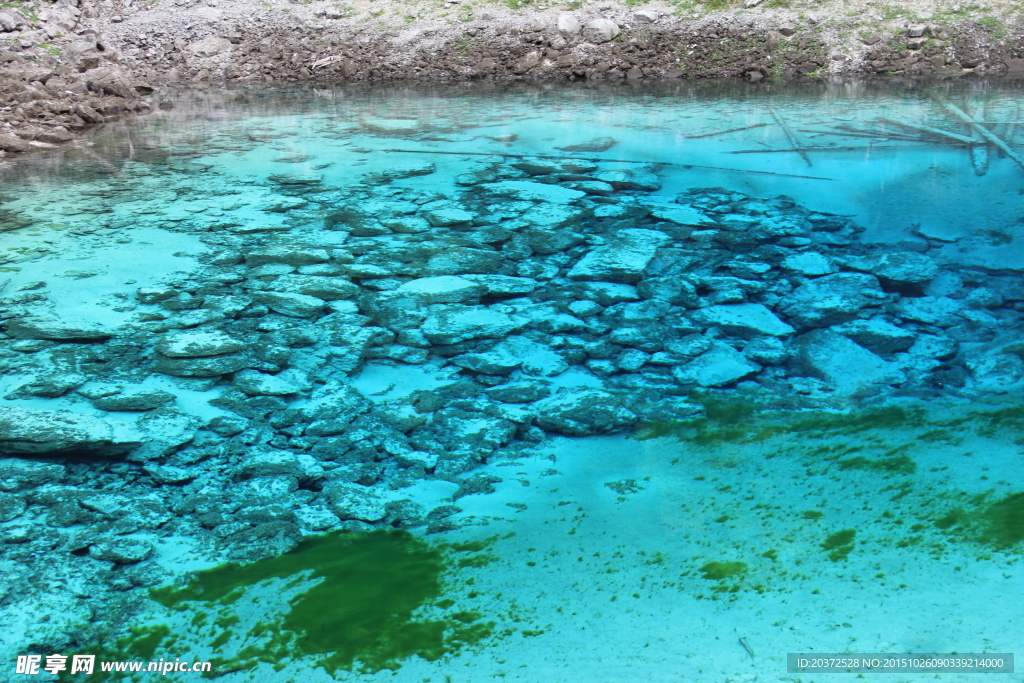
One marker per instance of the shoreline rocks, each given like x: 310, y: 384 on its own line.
x: 73, y: 67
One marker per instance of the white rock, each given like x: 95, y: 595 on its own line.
x: 745, y: 319
x: 258, y: 384
x: 442, y: 289
x: 600, y: 30
x: 568, y: 25
x: 208, y: 47
x: 719, y: 366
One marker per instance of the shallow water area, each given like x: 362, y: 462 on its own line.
x: 638, y: 383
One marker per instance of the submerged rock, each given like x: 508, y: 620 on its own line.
x: 198, y: 344
x: 623, y: 260
x: 719, y: 366
x: 452, y: 324
x: 583, y: 413
x: 256, y: 383
x: 831, y: 299
x: 137, y: 400
x: 744, y: 320
x: 57, y: 330
x: 212, y: 366
x: 24, y: 431
x: 849, y: 368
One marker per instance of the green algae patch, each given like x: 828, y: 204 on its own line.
x: 839, y: 544
x: 747, y: 423
x: 356, y: 612
x: 1006, y: 521
x: 899, y: 464
x: 717, y: 571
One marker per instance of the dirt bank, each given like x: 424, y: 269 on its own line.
x: 67, y: 66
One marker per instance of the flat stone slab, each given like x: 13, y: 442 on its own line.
x: 454, y: 324
x: 37, y: 432
x: 198, y: 344
x: 623, y: 260
x: 743, y: 319
x: 717, y: 367
x: 848, y: 367
x: 583, y: 413
x: 442, y: 289
x: 56, y: 330
x: 535, y: 192
x: 679, y: 214
x: 831, y: 299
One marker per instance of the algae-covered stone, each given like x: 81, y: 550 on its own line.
x: 905, y: 268
x: 17, y: 474
x: 198, y: 344
x: 11, y: 507
x: 136, y: 400
x: 121, y: 550
x: 276, y: 463
x: 997, y: 372
x: 213, y: 366
x: 57, y: 330
x: 745, y: 320
x: 294, y: 256
x: 24, y: 431
x: 449, y: 216
x: 442, y: 289
x: 256, y: 383
x: 934, y: 310
x: 291, y: 304
x: 531, y: 191
x: 848, y: 367
x: 718, y: 366
x: 583, y: 413
x: 352, y: 501
x: 809, y: 263
x: 453, y: 324
x: 321, y: 287
x: 831, y: 299
x: 877, y: 335
x: 623, y: 260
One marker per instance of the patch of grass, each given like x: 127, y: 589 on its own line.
x: 994, y: 26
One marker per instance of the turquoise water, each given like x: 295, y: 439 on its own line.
x: 614, y: 384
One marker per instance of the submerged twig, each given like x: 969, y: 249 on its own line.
x: 598, y: 160
x: 750, y: 650
x: 791, y: 136
x: 823, y: 149
x: 723, y: 132
x: 880, y: 135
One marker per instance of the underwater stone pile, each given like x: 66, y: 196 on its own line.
x: 570, y: 300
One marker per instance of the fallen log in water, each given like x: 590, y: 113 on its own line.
x: 982, y: 130
x: 598, y: 160
x: 930, y: 129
